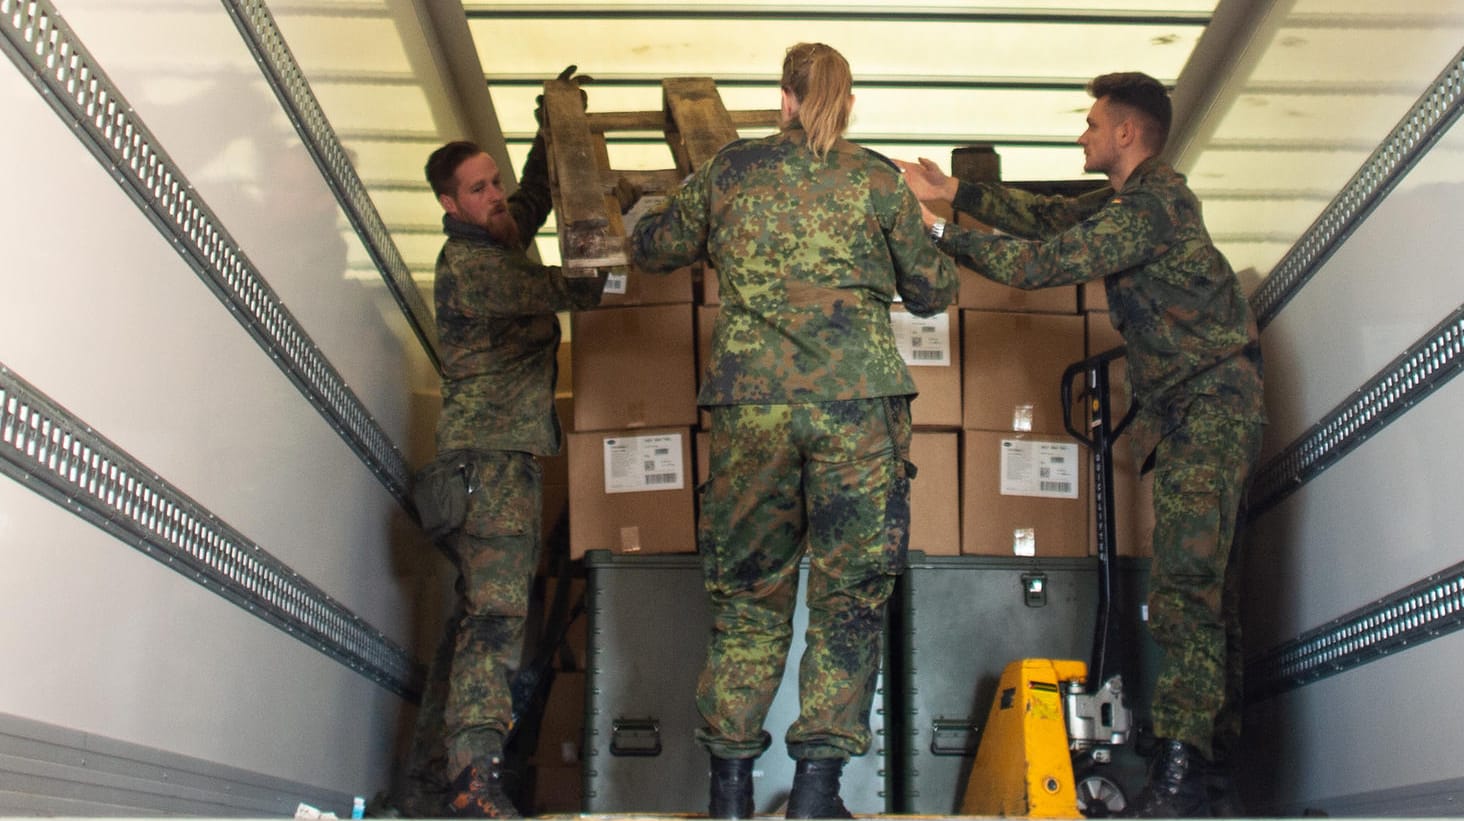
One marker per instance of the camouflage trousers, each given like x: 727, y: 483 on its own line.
x: 831, y: 480
x: 467, y: 706
x: 1200, y: 475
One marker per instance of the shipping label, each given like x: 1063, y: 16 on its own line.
x: 922, y: 341
x: 639, y: 463
x: 1045, y: 469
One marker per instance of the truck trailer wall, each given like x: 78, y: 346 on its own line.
x: 1354, y: 552
x: 233, y: 625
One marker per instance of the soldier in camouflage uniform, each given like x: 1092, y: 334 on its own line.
x: 1194, y: 362
x: 812, y: 238
x: 500, y: 336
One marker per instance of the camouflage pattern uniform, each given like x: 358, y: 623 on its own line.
x: 1194, y: 362
x: 810, y: 423
x: 499, y: 335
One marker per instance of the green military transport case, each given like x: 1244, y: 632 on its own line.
x: 955, y: 624
x: 648, y: 626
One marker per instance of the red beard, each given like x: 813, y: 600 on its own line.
x: 503, y: 229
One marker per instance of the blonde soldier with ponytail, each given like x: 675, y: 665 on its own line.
x: 812, y: 238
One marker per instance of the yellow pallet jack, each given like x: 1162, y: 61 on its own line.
x: 1049, y: 714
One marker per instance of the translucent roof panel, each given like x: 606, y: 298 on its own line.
x: 1285, y: 99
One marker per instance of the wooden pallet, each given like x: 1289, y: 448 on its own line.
x: 589, y: 195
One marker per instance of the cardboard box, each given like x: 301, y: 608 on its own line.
x: 931, y: 349
x: 1013, y: 365
x: 1023, y: 495
x: 978, y: 292
x: 637, y: 287
x: 631, y: 492
x: 935, y: 495
x: 634, y: 367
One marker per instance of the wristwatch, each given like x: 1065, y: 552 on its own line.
x: 937, y: 229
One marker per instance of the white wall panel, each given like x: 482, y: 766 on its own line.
x: 1377, y: 736
x: 103, y: 316
x: 1382, y: 518
x: 1388, y: 725
x: 216, y: 116
x: 103, y: 639
x: 109, y: 321
x: 1394, y: 278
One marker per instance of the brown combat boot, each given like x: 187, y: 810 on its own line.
x: 477, y: 792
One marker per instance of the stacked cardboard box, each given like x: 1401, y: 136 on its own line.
x: 629, y: 454
x: 931, y: 348
x: 997, y: 473
x: 935, y: 494
x: 1024, y: 491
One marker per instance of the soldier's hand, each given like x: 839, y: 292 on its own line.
x: 567, y: 74
x: 643, y: 206
x: 926, y: 180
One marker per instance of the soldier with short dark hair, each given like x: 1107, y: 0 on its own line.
x: 812, y: 238
x: 497, y: 325
x: 1194, y: 360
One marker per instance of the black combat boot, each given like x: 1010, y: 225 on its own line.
x: 1176, y: 787
x: 731, y: 788
x: 477, y: 792
x: 815, y: 791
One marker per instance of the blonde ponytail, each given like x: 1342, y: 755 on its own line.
x: 819, y: 78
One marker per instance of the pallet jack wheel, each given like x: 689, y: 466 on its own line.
x: 1099, y: 796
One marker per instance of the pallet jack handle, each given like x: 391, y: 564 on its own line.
x: 1099, y: 439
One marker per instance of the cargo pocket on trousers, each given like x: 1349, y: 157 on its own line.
x: 503, y: 502
x: 440, y: 494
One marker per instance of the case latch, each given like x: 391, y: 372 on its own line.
x: 635, y: 736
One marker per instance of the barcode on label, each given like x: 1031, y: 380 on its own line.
x: 929, y: 354
x: 660, y: 478
x: 1055, y: 487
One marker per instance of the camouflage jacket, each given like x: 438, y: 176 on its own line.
x: 498, y: 330
x: 1187, y: 327
x: 809, y: 255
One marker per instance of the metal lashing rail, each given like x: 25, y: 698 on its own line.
x: 47, y: 449
x: 51, y: 56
